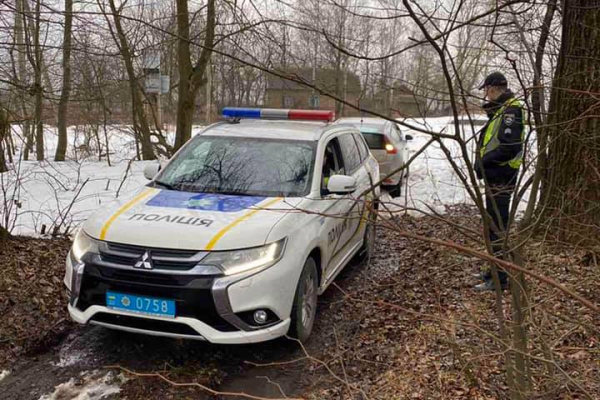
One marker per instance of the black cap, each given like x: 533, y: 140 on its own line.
x: 494, y: 79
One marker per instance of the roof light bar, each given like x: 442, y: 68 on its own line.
x: 277, y: 113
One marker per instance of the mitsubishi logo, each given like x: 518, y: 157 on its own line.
x: 144, y: 262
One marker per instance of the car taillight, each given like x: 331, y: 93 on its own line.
x: 389, y: 147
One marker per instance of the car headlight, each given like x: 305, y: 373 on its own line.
x: 236, y: 261
x: 83, y: 244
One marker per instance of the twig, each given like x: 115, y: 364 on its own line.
x: 124, y: 177
x: 196, y: 384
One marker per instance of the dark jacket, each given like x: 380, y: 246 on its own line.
x: 509, y: 136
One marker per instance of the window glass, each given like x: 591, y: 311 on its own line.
x: 350, y: 152
x: 375, y: 141
x: 362, y: 147
x: 373, y: 135
x: 288, y: 101
x: 242, y: 166
x: 332, y: 163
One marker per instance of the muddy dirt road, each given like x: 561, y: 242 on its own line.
x: 86, y: 361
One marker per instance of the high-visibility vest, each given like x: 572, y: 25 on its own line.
x: 491, y: 141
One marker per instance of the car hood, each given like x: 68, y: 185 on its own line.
x: 184, y: 220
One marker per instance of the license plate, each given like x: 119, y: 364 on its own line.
x: 140, y: 304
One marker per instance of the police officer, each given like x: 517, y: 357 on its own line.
x: 500, y: 156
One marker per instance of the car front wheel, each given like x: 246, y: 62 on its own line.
x: 366, y: 250
x: 304, y: 308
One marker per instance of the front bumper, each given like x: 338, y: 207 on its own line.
x: 208, y: 307
x: 178, y: 327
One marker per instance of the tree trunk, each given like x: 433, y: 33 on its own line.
x: 191, y: 79
x: 21, y: 73
x: 571, y: 185
x: 4, y: 131
x: 39, y: 88
x: 141, y: 127
x: 539, y: 112
x: 4, y: 234
x: 61, y: 147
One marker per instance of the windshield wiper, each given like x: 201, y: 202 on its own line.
x: 232, y: 193
x: 165, y: 185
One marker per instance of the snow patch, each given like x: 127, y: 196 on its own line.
x: 4, y: 374
x: 38, y: 194
x: 93, y: 386
x: 70, y: 360
x: 71, y: 353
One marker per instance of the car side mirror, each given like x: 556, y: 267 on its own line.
x: 151, y: 170
x: 408, y: 137
x: 341, y: 184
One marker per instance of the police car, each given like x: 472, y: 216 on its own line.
x: 235, y: 237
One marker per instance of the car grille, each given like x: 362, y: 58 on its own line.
x: 192, y: 294
x: 166, y: 259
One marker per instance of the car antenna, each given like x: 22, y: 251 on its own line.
x: 362, y: 113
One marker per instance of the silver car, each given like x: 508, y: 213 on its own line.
x: 388, y: 145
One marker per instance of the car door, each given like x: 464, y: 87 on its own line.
x: 395, y: 157
x: 402, y: 146
x: 332, y: 207
x: 354, y: 165
x: 367, y: 176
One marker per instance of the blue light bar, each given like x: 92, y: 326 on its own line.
x: 239, y: 112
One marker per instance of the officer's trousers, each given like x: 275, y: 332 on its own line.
x: 497, y: 205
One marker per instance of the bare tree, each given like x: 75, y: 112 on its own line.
x: 38, y: 89
x: 571, y: 185
x: 63, y: 104
x: 192, y: 77
x: 141, y: 126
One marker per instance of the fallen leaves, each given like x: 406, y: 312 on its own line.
x: 423, y: 333
x: 32, y: 301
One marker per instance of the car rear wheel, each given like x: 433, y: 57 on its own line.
x: 304, y: 308
x: 396, y: 190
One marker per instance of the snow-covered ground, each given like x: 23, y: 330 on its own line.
x: 37, y: 198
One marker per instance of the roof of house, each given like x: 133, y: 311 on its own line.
x: 324, y: 79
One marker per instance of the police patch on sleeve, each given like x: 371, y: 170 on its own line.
x: 509, y: 119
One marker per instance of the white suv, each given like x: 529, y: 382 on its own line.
x: 235, y: 237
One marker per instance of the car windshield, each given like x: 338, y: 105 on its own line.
x: 241, y: 166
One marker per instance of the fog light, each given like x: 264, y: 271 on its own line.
x: 260, y: 317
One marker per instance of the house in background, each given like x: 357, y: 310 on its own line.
x: 282, y: 93
x: 397, y: 101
